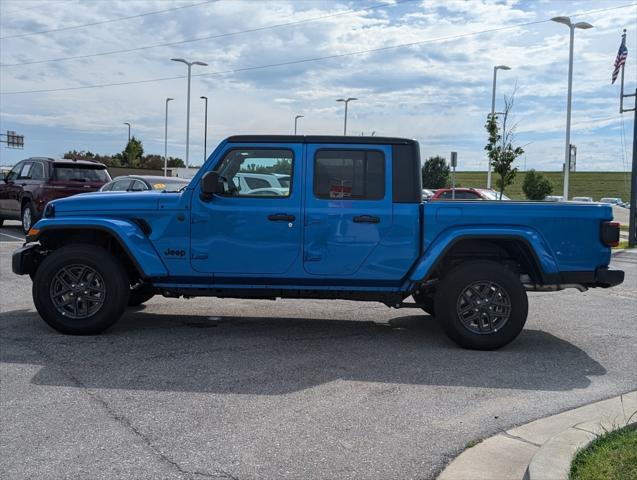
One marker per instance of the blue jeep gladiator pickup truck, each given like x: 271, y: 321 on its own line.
x: 344, y: 220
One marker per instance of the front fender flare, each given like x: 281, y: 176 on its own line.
x: 437, y: 249
x: 129, y: 235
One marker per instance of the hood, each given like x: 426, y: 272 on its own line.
x: 105, y: 202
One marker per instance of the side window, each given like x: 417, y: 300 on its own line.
x: 138, y: 186
x: 254, y: 172
x: 25, y: 171
x: 350, y: 174
x: 445, y: 195
x: 120, y: 185
x: 13, y: 174
x: 37, y: 171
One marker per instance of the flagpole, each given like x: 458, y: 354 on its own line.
x: 621, y: 94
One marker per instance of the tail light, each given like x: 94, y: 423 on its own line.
x: 610, y: 233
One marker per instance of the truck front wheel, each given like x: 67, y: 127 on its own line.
x: 481, y: 305
x: 80, y: 289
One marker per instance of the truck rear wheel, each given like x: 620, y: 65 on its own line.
x: 481, y: 305
x: 80, y: 289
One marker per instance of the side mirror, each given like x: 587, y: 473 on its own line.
x: 210, y: 185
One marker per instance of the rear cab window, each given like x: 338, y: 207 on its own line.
x: 349, y: 174
x: 68, y: 172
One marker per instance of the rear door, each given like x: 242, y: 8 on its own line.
x: 241, y: 233
x: 348, y: 206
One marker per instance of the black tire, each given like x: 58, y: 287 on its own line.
x: 27, y: 216
x: 139, y: 295
x: 110, y: 278
x: 426, y: 302
x: 458, y: 307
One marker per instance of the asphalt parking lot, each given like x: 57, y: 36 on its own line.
x: 208, y: 388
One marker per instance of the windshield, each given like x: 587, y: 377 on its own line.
x: 80, y: 173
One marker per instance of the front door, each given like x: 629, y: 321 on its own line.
x: 348, y: 206
x: 250, y: 229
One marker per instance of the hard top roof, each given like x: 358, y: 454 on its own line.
x: 319, y: 139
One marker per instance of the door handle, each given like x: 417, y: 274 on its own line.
x: 281, y: 217
x: 366, y: 219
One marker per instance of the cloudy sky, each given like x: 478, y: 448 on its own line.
x: 420, y: 68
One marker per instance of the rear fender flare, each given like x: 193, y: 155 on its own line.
x: 438, y: 248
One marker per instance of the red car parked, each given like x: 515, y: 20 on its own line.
x: 467, y: 194
x: 33, y: 182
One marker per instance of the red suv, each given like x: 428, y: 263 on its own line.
x: 33, y: 182
x: 467, y: 194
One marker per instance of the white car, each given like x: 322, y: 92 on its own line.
x: 611, y: 200
x: 554, y: 198
x: 582, y: 199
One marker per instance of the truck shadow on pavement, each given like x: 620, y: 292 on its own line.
x: 274, y: 356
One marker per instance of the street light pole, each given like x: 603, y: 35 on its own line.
x: 205, y: 131
x: 567, y: 149
x: 495, y: 74
x: 295, y: 122
x: 346, y: 101
x: 189, y: 64
x: 166, y: 139
x: 126, y: 123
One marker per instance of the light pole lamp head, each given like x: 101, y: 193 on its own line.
x: 169, y: 99
x: 126, y: 123
x: 200, y: 63
x: 204, y: 97
x: 340, y: 100
x: 564, y: 20
x: 502, y: 67
x: 351, y: 99
x: 299, y: 116
x: 179, y: 60
x: 583, y: 25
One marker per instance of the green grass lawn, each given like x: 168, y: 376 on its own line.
x: 612, y: 456
x: 581, y: 184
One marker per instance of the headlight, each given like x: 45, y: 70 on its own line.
x: 49, y: 210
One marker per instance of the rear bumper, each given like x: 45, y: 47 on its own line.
x: 25, y: 259
x: 602, y: 277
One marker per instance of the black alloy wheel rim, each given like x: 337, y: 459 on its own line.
x: 483, y: 307
x: 77, y: 291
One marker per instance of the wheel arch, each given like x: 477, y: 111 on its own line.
x: 123, y: 238
x: 529, y: 251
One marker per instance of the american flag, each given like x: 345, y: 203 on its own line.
x: 621, y: 58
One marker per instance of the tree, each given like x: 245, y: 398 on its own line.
x: 435, y: 173
x: 176, y: 163
x: 132, y: 154
x: 500, y: 148
x: 536, y: 186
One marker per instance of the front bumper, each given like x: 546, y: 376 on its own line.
x: 25, y: 259
x: 601, y: 277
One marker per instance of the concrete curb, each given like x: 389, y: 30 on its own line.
x: 542, y: 449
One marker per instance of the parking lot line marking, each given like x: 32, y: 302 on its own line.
x: 11, y: 236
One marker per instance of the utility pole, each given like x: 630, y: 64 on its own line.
x: 346, y: 102
x: 128, y: 145
x: 296, y: 119
x: 454, y: 164
x: 166, y: 139
x: 495, y: 75
x: 189, y: 65
x: 567, y: 155
x: 205, y: 131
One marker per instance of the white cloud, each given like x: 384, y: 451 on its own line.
x: 438, y: 92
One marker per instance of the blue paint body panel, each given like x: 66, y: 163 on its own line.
x: 228, y: 242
